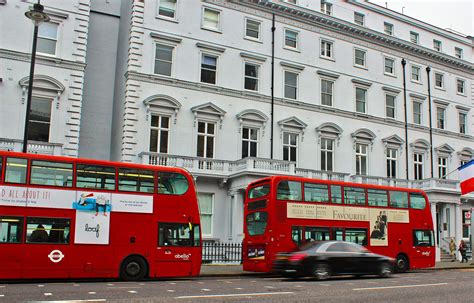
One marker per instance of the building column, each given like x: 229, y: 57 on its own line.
x: 435, y: 231
x: 458, y: 223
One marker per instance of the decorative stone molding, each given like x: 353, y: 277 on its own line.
x: 363, y: 136
x: 327, y: 74
x: 292, y: 65
x: 253, y: 57
x: 162, y: 104
x: 56, y: 14
x: 466, y: 154
x: 329, y: 130
x: 292, y: 124
x: 441, y: 103
x: 417, y: 96
x: 463, y: 108
x: 42, y: 83
x: 208, y: 110
x: 252, y: 117
x: 391, y: 90
x: 393, y: 141
x: 210, y: 47
x: 420, y: 146
x: 42, y: 60
x: 444, y: 149
x: 361, y: 82
x: 167, y: 38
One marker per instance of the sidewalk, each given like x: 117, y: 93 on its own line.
x: 236, y: 270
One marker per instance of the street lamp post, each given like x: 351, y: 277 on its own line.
x: 37, y: 15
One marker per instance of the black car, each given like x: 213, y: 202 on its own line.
x: 323, y: 259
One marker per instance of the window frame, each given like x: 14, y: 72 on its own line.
x: 365, y: 101
x: 437, y: 45
x: 463, y: 82
x: 442, y: 166
x: 138, y: 181
x: 297, y: 74
x: 290, y: 146
x: 57, y: 24
x: 159, y: 129
x: 419, y: 74
x: 76, y: 171
x: 440, y: 117
x: 361, y: 155
x: 326, y: 8
x: 175, y: 12
x: 27, y: 220
x: 331, y: 95
x: 414, y: 37
x: 323, y: 50
x: 394, y: 107
x: 30, y: 173
x: 173, y: 49
x: 415, y: 114
x: 390, y: 158
x: 364, y: 52
x: 458, y: 52
x: 217, y: 29
x: 163, y: 225
x: 297, y: 39
x: 259, y: 33
x: 393, y: 73
x: 435, y: 80
x: 208, y: 54
x: 385, y: 24
x: 361, y: 16
x: 324, y: 150
x: 20, y: 226
x: 257, y: 78
x: 211, y: 214
x: 250, y: 141
x: 26, y: 170
x: 462, y: 126
x: 206, y: 135
x: 418, y: 165
x: 31, y: 121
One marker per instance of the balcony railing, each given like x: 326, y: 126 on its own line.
x: 34, y: 147
x: 261, y: 166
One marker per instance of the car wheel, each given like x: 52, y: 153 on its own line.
x: 385, y: 270
x: 402, y: 263
x: 133, y: 269
x: 321, y: 271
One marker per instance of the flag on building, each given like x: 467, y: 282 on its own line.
x: 466, y: 174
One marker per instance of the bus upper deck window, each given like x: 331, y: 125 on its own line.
x: 15, y: 170
x: 51, y: 173
x: 289, y: 190
x: 398, y: 199
x: 1, y: 166
x: 97, y: 177
x: 172, y: 183
x: 417, y: 201
x: 259, y: 191
x: 136, y: 180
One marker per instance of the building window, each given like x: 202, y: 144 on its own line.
x: 290, y: 146
x: 458, y: 52
x: 252, y: 29
x: 205, y: 140
x: 208, y: 69
x: 442, y: 167
x: 359, y: 19
x: 418, y: 166
x: 417, y: 111
x: 251, y: 76
x: 211, y: 19
x: 361, y: 100
x: 291, y: 85
x: 47, y: 38
x: 159, y: 134
x: 389, y: 66
x: 167, y: 8
x: 437, y: 45
x: 163, y: 59
x: 388, y: 28
x: 460, y: 86
x: 392, y: 163
x: 326, y: 49
x: 40, y: 120
x: 440, y: 117
x: 359, y: 57
x: 206, y: 210
x: 390, y: 106
x: 326, y: 92
x: 462, y: 123
x: 326, y: 7
x: 439, y: 80
x: 291, y: 39
x: 249, y: 142
x: 327, y: 154
x: 414, y: 37
x: 415, y: 73
x: 361, y: 159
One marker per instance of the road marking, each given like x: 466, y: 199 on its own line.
x: 132, y: 291
x: 126, y: 287
x: 400, y: 286
x: 298, y: 285
x: 74, y: 301
x: 3, y: 286
x: 350, y: 283
x: 170, y: 290
x: 92, y: 292
x: 76, y: 285
x: 48, y: 294
x: 269, y: 287
x: 373, y: 282
x: 238, y: 288
x: 228, y: 282
x: 324, y: 284
x: 40, y: 285
x: 2, y: 295
x: 110, y: 284
x: 172, y: 283
x: 205, y: 289
x: 200, y: 282
x: 237, y: 295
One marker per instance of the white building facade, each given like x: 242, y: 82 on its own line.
x: 189, y: 83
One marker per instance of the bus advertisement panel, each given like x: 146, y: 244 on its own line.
x: 76, y: 218
x: 283, y: 213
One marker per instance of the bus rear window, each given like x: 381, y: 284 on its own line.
x: 15, y: 170
x: 256, y: 223
x: 51, y: 173
x: 259, y: 191
x: 417, y: 201
x: 289, y: 190
x: 172, y: 183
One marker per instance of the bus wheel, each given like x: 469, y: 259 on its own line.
x: 321, y: 271
x: 133, y: 268
x: 402, y: 263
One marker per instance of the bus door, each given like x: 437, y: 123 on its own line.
x: 175, y: 250
x: 11, y: 232
x: 48, y: 252
x: 337, y: 234
x: 316, y: 234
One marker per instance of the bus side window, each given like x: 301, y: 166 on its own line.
x: 11, y: 229
x: 297, y: 234
x: 358, y: 236
x: 172, y: 183
x: 136, y: 180
x: 47, y: 230
x: 1, y: 170
x: 51, y: 173
x: 354, y: 196
x: 15, y: 170
x: 398, y: 199
x: 96, y: 177
x: 377, y: 197
x: 176, y: 234
x: 417, y: 201
x: 316, y: 192
x: 289, y: 190
x: 336, y: 194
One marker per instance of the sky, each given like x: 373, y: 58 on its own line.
x: 448, y: 14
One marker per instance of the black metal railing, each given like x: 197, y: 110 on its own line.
x: 215, y: 252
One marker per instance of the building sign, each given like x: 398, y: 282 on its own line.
x: 378, y: 218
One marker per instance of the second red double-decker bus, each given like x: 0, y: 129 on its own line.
x: 282, y: 213
x: 76, y: 218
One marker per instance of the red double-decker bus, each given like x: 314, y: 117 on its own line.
x: 66, y: 217
x: 282, y: 213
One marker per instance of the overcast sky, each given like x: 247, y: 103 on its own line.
x: 453, y: 14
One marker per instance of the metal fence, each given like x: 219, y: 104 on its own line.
x: 221, y: 253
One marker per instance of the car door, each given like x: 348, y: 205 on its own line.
x: 339, y: 258
x: 362, y: 259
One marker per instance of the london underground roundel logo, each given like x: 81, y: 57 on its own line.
x: 56, y: 256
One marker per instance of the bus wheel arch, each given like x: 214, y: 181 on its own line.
x: 134, y: 268
x: 402, y: 263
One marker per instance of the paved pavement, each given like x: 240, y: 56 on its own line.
x: 236, y: 270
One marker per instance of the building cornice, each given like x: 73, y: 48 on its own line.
x: 214, y: 89
x: 337, y: 27
x: 43, y: 60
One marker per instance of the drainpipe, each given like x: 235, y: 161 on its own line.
x: 404, y: 63
x: 428, y: 69
x: 272, y: 86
